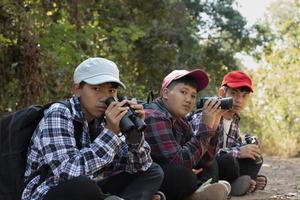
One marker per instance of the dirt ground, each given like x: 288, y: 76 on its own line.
x: 283, y: 180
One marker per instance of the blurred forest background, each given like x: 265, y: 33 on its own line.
x: 42, y: 41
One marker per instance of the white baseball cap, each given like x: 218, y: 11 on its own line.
x: 96, y: 71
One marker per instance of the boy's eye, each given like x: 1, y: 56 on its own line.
x: 112, y: 91
x: 96, y: 88
x: 233, y: 92
x: 183, y: 92
x: 246, y: 95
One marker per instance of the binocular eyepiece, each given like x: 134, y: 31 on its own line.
x: 131, y: 125
x: 226, y: 103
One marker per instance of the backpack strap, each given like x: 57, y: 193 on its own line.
x: 77, y: 125
x: 150, y: 96
x: 77, y: 133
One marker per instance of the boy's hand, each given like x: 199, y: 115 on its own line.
x: 116, y: 111
x: 197, y: 171
x: 212, y: 113
x: 250, y: 151
x: 113, y: 115
x: 138, y: 108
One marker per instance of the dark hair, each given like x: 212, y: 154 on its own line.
x: 241, y: 89
x: 187, y: 80
x: 114, y: 85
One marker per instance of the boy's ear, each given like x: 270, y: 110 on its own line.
x: 165, y: 93
x: 76, y: 90
x: 221, y: 92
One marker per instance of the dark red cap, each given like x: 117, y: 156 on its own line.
x: 237, y: 79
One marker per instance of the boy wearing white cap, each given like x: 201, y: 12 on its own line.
x: 185, y: 153
x: 125, y: 171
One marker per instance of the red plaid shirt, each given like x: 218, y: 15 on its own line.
x: 177, y: 141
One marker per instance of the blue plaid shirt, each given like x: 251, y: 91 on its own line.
x: 234, y: 141
x: 53, y: 144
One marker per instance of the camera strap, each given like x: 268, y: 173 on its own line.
x: 227, y: 127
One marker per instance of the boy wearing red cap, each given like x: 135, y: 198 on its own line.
x: 182, y: 151
x: 239, y: 163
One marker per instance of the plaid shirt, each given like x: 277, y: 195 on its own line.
x: 177, y: 141
x: 53, y: 144
x: 233, y: 141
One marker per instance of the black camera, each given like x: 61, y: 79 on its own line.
x: 251, y: 139
x: 131, y: 125
x: 226, y: 103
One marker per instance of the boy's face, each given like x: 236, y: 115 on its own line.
x: 180, y: 99
x: 240, y: 99
x: 92, y: 98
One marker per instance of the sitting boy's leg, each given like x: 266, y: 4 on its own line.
x: 141, y: 185
x: 238, y: 172
x: 229, y: 168
x: 179, y: 182
x: 79, y: 188
x: 209, y: 172
x: 261, y: 182
x: 249, y: 167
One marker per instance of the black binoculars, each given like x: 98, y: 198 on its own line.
x: 131, y: 125
x: 226, y: 103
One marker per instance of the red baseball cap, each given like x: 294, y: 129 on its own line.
x: 237, y: 79
x: 199, y: 75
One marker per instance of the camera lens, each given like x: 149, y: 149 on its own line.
x: 226, y: 103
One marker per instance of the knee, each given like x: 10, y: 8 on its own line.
x: 187, y: 178
x: 85, y: 185
x: 156, y: 171
x: 183, y: 177
x: 81, y: 187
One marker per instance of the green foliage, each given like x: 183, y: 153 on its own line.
x: 147, y: 39
x: 274, y: 110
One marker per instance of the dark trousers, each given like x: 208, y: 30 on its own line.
x: 231, y: 167
x: 180, y: 182
x: 138, y: 186
x: 211, y: 171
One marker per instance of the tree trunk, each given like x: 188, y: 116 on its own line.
x: 28, y: 69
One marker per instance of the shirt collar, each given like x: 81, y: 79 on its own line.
x: 77, y: 110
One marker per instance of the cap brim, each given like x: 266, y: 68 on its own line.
x: 239, y: 85
x: 200, y: 76
x: 96, y: 80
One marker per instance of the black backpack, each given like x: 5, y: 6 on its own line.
x: 16, y: 130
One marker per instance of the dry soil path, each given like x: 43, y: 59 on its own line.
x: 283, y: 180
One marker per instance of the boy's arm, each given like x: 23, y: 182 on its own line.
x: 134, y: 158
x: 196, y: 124
x: 166, y: 149
x: 58, y: 145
